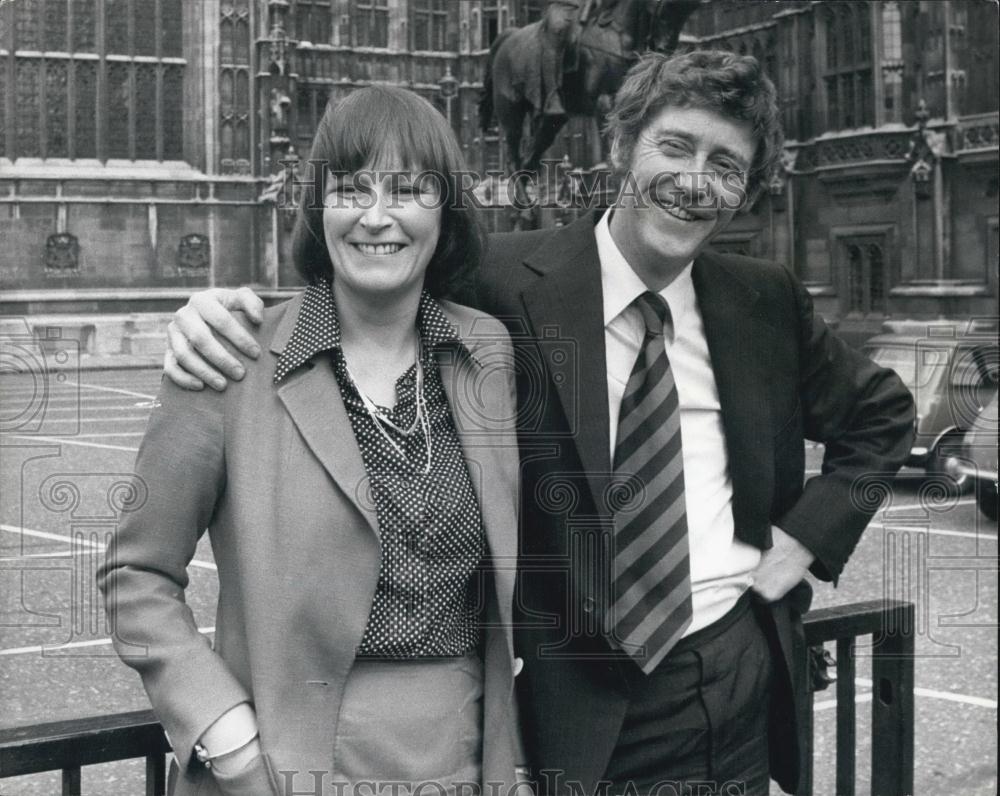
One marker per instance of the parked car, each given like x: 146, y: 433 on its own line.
x: 952, y: 374
x: 979, y: 457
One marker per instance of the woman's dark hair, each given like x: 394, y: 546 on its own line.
x: 384, y: 126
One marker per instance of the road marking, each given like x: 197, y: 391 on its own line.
x: 65, y: 441
x: 58, y: 537
x: 935, y: 531
x: 112, y: 434
x: 116, y: 419
x: 110, y: 389
x: 33, y: 555
x: 931, y: 693
x: 826, y: 704
x: 962, y: 501
x: 87, y: 409
x: 964, y: 699
x: 101, y: 642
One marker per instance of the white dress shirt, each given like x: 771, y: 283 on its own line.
x: 720, y: 563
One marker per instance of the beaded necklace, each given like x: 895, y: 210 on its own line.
x: 380, y: 420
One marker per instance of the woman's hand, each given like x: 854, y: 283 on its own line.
x: 194, y: 356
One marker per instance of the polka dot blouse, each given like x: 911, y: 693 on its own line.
x: 427, y: 602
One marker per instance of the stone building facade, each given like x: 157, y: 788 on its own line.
x: 138, y: 139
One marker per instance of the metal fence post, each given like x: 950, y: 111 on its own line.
x: 892, y: 704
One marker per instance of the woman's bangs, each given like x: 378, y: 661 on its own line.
x: 381, y: 131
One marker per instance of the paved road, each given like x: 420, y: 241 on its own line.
x: 69, y: 444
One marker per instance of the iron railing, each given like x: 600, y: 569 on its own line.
x: 890, y: 623
x: 66, y: 746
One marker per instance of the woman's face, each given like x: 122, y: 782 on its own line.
x: 381, y: 230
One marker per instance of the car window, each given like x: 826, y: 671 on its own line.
x: 919, y: 367
x: 974, y: 367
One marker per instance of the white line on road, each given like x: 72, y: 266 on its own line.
x: 962, y: 501
x: 87, y: 409
x: 964, y: 699
x: 33, y: 555
x: 117, y: 419
x: 58, y: 537
x: 826, y: 704
x: 65, y: 441
x: 931, y: 693
x: 100, y: 642
x: 111, y: 434
x: 58, y: 395
x: 935, y: 531
x: 109, y: 389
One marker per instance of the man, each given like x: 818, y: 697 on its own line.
x: 664, y: 398
x: 556, y: 31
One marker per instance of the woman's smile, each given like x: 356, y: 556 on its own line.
x: 379, y: 249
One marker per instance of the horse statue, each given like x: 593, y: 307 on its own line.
x: 605, y: 38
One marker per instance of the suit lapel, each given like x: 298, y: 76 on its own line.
x: 738, y: 343
x: 311, y: 397
x: 566, y: 310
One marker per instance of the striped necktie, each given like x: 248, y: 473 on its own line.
x: 651, y: 599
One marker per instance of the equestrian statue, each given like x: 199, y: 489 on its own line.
x: 570, y: 63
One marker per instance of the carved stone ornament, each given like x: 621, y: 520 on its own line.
x: 193, y: 252
x: 62, y: 252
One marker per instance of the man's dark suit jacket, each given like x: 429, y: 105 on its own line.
x: 782, y: 377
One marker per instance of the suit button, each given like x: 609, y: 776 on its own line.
x: 518, y: 666
x: 589, y: 605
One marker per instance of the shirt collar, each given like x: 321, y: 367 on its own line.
x: 317, y: 328
x: 621, y: 285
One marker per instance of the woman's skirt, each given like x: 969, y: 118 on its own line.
x: 411, y: 728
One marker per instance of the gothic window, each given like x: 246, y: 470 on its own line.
x: 876, y: 279
x: 170, y: 28
x: 56, y: 103
x: 145, y: 111
x: 490, y: 22
x: 865, y: 276
x: 3, y: 114
x: 26, y: 117
x: 92, y: 79
x: 313, y: 21
x: 855, y: 279
x: 848, y: 68
x: 173, y: 123
x: 430, y: 24
x: 84, y: 34
x: 55, y: 25
x: 892, y: 63
x: 371, y: 23
x: 234, y: 92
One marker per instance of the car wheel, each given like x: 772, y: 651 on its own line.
x: 987, y: 499
x: 944, y: 457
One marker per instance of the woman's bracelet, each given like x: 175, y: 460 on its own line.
x: 204, y: 757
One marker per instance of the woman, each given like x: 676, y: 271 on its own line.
x: 359, y: 489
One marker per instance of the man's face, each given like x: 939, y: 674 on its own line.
x: 686, y: 181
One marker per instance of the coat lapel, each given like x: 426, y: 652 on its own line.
x: 312, y: 399
x: 484, y: 448
x: 566, y: 310
x: 738, y: 343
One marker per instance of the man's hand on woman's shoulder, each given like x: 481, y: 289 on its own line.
x: 194, y: 356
